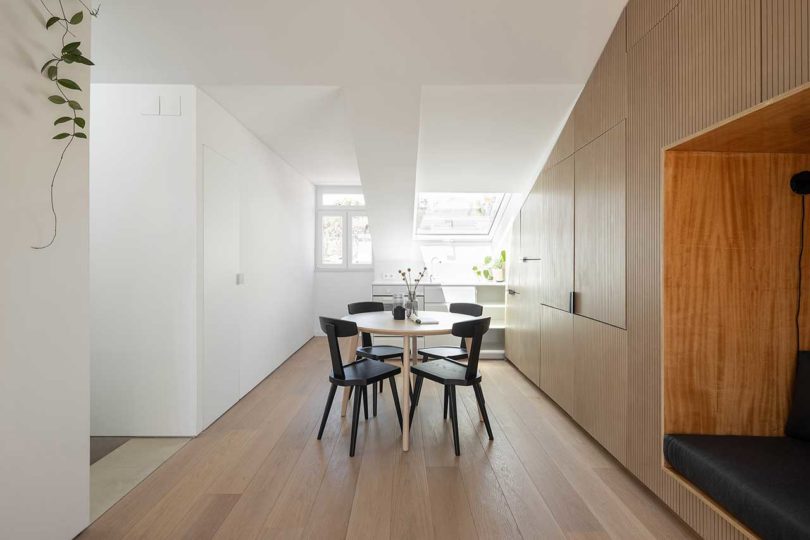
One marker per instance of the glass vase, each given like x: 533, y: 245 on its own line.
x: 412, y: 305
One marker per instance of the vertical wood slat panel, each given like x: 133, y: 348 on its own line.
x: 652, y: 124
x: 564, y: 147
x: 557, y: 240
x: 512, y: 312
x: 557, y: 369
x: 603, y: 102
x: 600, y: 228
x: 718, y: 60
x: 643, y: 15
x: 600, y: 380
x: 785, y: 45
x: 530, y: 227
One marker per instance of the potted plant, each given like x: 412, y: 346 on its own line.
x: 492, y: 269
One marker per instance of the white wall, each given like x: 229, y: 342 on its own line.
x: 143, y: 263
x: 44, y: 359
x: 277, y: 243
x: 336, y: 290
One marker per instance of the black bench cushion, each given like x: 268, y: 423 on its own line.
x: 762, y: 481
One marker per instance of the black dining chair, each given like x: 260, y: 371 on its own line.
x: 357, y: 376
x: 367, y: 349
x: 454, y: 353
x: 451, y: 374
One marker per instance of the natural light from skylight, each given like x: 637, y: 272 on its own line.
x: 457, y: 214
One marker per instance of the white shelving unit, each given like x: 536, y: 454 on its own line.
x: 439, y: 296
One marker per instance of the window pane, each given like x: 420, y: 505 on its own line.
x: 457, y: 213
x: 331, y: 239
x: 342, y: 199
x: 361, y: 240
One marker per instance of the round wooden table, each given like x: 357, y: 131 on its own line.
x: 383, y: 323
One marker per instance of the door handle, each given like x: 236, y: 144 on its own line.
x: 526, y: 259
x: 512, y: 292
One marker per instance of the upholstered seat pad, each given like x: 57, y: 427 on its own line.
x: 444, y: 372
x: 455, y: 353
x: 383, y: 352
x: 762, y: 481
x: 366, y: 372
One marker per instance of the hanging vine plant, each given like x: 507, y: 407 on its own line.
x: 73, y: 125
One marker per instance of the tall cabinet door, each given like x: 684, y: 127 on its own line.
x: 512, y: 331
x: 557, y: 238
x: 530, y: 234
x: 599, y: 246
x: 219, y: 377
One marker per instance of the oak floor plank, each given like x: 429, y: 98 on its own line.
x: 205, y: 517
x: 567, y: 506
x: 532, y: 514
x: 259, y: 471
x: 411, y: 515
x: 371, y: 508
x: 248, y: 516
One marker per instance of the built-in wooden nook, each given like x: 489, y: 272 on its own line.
x: 731, y: 229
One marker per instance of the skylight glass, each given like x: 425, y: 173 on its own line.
x: 457, y: 214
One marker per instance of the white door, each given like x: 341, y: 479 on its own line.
x: 220, y: 365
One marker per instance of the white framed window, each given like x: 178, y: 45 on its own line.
x: 343, y: 238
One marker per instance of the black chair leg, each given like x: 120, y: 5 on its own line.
x: 416, y: 393
x: 365, y: 402
x: 329, y: 400
x: 446, y: 401
x: 374, y: 399
x: 395, y: 397
x: 355, y: 420
x: 454, y: 419
x: 479, y: 396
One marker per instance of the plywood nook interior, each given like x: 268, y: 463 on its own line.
x: 731, y: 246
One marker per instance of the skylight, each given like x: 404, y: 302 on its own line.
x: 457, y: 214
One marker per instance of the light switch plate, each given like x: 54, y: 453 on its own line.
x: 150, y: 106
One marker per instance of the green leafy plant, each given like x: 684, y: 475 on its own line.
x: 486, y: 270
x: 72, y: 124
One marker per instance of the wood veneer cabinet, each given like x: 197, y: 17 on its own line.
x: 557, y: 238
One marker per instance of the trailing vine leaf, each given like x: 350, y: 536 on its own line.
x: 69, y: 54
x: 67, y: 83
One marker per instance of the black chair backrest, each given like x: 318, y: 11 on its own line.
x: 474, y: 329
x: 473, y: 310
x: 334, y: 329
x: 366, y: 307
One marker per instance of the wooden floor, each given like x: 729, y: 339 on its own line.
x: 259, y: 472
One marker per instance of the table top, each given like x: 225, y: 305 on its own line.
x: 383, y: 323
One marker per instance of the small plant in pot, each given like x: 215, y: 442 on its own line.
x: 492, y: 269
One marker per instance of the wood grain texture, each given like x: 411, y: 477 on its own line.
x: 512, y: 348
x: 565, y: 145
x: 719, y: 60
x: 600, y: 228
x: 778, y: 126
x: 603, y: 102
x: 600, y: 378
x: 785, y: 45
x: 557, y: 369
x: 541, y: 477
x: 731, y: 242
x: 531, y: 224
x: 557, y: 238
x: 643, y: 15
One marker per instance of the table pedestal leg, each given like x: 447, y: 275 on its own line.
x: 350, y: 355
x: 406, y: 394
